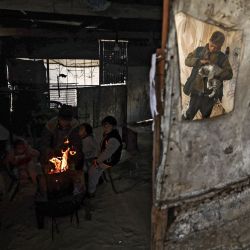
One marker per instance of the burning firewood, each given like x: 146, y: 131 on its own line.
x: 61, y: 163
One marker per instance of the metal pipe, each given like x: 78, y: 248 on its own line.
x: 165, y: 23
x: 58, y: 86
x: 159, y: 217
x: 159, y: 90
x: 48, y: 80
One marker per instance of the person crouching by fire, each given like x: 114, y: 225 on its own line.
x: 22, y: 160
x: 56, y: 131
x: 110, y: 153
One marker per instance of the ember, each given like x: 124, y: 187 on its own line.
x: 61, y: 163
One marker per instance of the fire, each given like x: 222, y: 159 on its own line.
x: 61, y: 163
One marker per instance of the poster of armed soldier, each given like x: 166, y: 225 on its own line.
x: 209, y: 58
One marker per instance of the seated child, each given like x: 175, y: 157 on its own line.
x: 23, y: 160
x: 89, y: 147
x: 110, y: 152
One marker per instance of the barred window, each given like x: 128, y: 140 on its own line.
x: 113, y: 62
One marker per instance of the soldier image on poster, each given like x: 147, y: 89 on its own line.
x: 209, y: 60
x: 210, y: 67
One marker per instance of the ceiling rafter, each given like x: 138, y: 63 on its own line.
x: 79, y: 7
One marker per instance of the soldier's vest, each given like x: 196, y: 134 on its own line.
x: 188, y: 86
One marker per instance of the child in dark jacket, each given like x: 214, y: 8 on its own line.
x: 110, y: 152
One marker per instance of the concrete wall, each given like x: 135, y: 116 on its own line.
x: 94, y: 103
x: 138, y: 94
x: 200, y: 158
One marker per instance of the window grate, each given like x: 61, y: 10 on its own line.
x: 113, y: 62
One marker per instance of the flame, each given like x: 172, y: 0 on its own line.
x: 72, y: 152
x: 61, y: 163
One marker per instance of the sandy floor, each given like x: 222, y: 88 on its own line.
x: 119, y: 221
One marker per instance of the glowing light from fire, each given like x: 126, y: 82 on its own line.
x: 61, y: 163
x: 72, y: 152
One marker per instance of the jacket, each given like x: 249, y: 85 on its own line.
x: 111, y: 148
x: 217, y: 58
x: 53, y: 137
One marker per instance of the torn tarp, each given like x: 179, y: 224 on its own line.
x: 152, y: 91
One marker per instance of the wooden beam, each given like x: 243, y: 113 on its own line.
x: 25, y: 32
x: 79, y: 7
x: 159, y: 216
x: 160, y: 74
x: 47, y: 33
x: 159, y: 222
